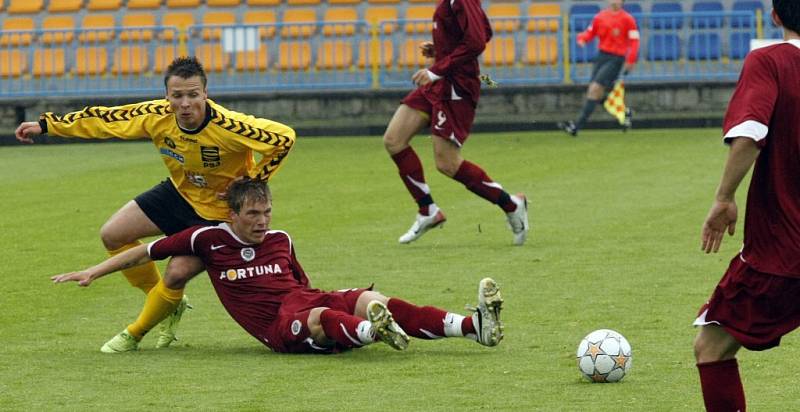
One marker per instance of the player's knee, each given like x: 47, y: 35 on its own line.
x: 179, y: 272
x: 446, y: 166
x: 708, y: 350
x: 392, y: 144
x: 112, y: 238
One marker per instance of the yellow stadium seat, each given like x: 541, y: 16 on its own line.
x: 294, y: 55
x: 335, y: 54
x: 130, y: 60
x: 303, y: 2
x: 501, y: 10
x: 541, y: 50
x: 174, y: 4
x: 163, y: 56
x: 263, y: 2
x: 212, y: 57
x: 551, y: 10
x: 181, y: 21
x: 383, y: 1
x: 108, y: 5
x: 25, y: 6
x: 90, y: 61
x: 301, y: 22
x: 13, y: 63
x: 222, y: 3
x: 411, y: 55
x: 344, y: 1
x: 216, y: 17
x: 339, y: 15
x: 140, y: 20
x: 383, y: 56
x: 252, y: 60
x: 261, y: 17
x: 499, y: 52
x: 419, y: 13
x: 376, y: 15
x: 49, y: 62
x: 143, y: 4
x: 17, y: 24
x: 64, y: 6
x: 65, y: 25
x: 419, y: 1
x: 92, y: 23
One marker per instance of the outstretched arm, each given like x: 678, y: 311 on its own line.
x: 723, y: 214
x: 130, y: 258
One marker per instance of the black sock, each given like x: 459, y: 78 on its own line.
x: 588, y: 108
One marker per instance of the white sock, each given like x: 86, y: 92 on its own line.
x: 364, y: 331
x: 452, y: 324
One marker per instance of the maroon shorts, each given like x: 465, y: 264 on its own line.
x: 289, y: 332
x: 449, y: 119
x: 756, y: 308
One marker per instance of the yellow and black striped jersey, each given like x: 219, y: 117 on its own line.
x: 201, y: 163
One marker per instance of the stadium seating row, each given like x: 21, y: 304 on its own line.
x: 291, y: 55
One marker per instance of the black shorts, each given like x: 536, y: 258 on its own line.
x: 169, y: 210
x: 607, y: 68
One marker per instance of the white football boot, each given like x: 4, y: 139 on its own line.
x: 486, y: 318
x: 423, y: 223
x: 518, y: 219
x: 123, y: 342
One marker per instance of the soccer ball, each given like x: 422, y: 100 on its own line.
x: 604, y: 356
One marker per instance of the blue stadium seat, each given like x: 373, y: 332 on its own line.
x: 663, y: 47
x: 740, y: 45
x: 587, y: 11
x: 751, y: 6
x: 704, y: 46
x: 583, y: 54
x: 666, y: 22
x: 635, y: 10
x: 707, y: 22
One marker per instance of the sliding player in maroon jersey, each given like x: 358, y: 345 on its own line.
x: 756, y: 301
x: 261, y: 284
x: 445, y: 99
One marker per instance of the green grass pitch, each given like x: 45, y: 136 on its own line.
x: 615, y: 244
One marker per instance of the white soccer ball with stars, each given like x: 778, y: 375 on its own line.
x: 604, y: 356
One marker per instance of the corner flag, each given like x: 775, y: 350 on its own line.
x: 615, y: 103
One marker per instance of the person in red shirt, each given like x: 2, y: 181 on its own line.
x: 445, y: 100
x: 619, y: 47
x: 756, y: 301
x: 255, y: 273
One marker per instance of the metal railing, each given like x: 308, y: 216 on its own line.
x: 353, y: 55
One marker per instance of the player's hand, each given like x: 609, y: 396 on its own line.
x: 27, y: 130
x: 224, y: 195
x: 721, y: 217
x: 581, y: 43
x: 427, y: 50
x: 420, y: 78
x: 83, y: 278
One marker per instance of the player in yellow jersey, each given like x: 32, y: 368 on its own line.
x: 204, y: 146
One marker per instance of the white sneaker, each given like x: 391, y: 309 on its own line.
x: 422, y: 224
x: 518, y: 219
x: 384, y: 326
x: 486, y: 318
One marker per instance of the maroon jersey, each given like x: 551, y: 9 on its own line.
x: 460, y: 33
x: 766, y: 108
x: 250, y: 280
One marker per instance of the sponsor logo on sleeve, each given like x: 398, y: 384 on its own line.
x: 177, y: 156
x: 169, y: 142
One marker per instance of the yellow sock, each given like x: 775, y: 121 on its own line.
x: 143, y: 276
x: 160, y: 302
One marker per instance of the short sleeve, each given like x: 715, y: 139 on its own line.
x: 753, y: 101
x: 179, y: 244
